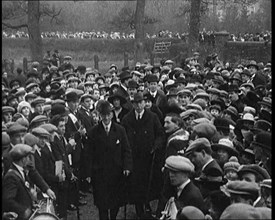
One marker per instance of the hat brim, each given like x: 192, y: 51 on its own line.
x: 249, y: 65
x: 122, y: 99
x: 232, y: 151
x: 265, y: 104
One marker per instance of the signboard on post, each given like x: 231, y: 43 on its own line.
x: 161, y: 47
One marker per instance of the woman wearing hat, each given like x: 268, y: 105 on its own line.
x: 24, y: 108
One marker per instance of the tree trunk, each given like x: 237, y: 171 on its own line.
x: 35, y: 39
x: 139, y: 35
x: 194, y: 25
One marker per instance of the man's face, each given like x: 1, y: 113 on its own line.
x: 87, y: 102
x: 252, y: 69
x: 153, y: 86
x: 197, y: 159
x: 183, y: 99
x: 233, y: 96
x: 176, y: 178
x: 222, y: 156
x: 132, y: 91
x: 61, y: 127
x: 249, y: 177
x: 139, y: 106
x: 96, y: 94
x: 116, y: 103
x: 39, y: 108
x: 106, y: 118
x: 169, y: 125
x: 42, y: 141
x: 73, y: 105
x: 7, y: 117
x: 18, y: 138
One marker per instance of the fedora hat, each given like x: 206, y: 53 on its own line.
x: 247, y: 117
x: 71, y: 97
x: 138, y: 97
x: 117, y: 96
x: 225, y: 144
x: 263, y: 140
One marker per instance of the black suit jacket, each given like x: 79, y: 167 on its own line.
x: 16, y: 196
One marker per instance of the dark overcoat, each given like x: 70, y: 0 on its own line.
x: 144, y: 135
x: 109, y: 156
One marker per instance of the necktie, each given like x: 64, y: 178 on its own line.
x: 139, y: 117
x: 107, y: 130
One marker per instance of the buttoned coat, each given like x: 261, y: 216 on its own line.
x: 145, y: 135
x: 16, y: 196
x: 109, y: 156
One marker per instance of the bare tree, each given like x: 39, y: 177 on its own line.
x: 27, y: 14
x: 139, y: 34
x: 194, y: 24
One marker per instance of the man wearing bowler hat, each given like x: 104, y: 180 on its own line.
x: 145, y: 135
x: 110, y: 161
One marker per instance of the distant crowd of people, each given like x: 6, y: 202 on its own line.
x: 204, y: 36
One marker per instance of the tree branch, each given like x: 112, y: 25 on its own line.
x: 14, y: 26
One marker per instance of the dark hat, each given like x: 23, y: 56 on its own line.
x: 179, y: 164
x: 156, y: 67
x: 11, y: 97
x: 113, y: 65
x: 132, y: 84
x: 117, y: 96
x: 138, y: 97
x: 218, y: 79
x: 32, y: 73
x: 59, y: 109
x: 173, y: 92
x: 266, y: 101
x: 265, y: 115
x: 88, y: 73
x: 14, y: 82
x: 220, y: 102
x: 30, y: 96
x: 261, y: 125
x: 58, y: 101
x: 254, y: 168
x: 152, y: 78
x: 19, y: 151
x: 227, y: 145
x: 236, y: 76
x: 104, y: 107
x: 124, y: 75
x: 40, y: 132
x: 222, y: 123
x: 252, y: 97
x: 30, y: 139
x: 240, y: 211
x: 233, y: 88
x: 217, y: 107
x: 81, y: 69
x: 71, y: 97
x: 148, y: 96
x: 188, y: 113
x: 211, y: 176
x: 30, y: 80
x: 53, y: 68
x: 84, y: 96
x: 55, y: 85
x: 180, y: 79
x: 37, y: 100
x: 190, y: 212
x: 5, y: 140
x: 16, y: 128
x: 231, y: 110
x: 246, y: 72
x: 253, y: 63
x: 263, y: 140
x: 6, y: 109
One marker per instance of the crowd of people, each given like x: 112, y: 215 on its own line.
x: 204, y: 36
x: 196, y: 138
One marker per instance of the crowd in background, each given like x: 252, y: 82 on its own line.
x: 195, y: 137
x: 204, y: 36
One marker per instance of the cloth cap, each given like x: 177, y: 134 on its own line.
x: 191, y: 213
x: 206, y: 130
x: 6, y: 109
x: 5, y: 139
x: 179, y: 163
x: 30, y: 139
x: 71, y: 97
x: 38, y: 119
x: 152, y: 78
x: 23, y: 121
x: 49, y: 127
x: 59, y: 109
x: 194, y: 106
x: 124, y: 75
x: 261, y: 125
x: 19, y: 151
x: 241, y: 187
x: 37, y: 100
x: 16, y: 128
x: 254, y: 168
x: 266, y: 183
x: 200, y: 142
x: 184, y: 91
x: 265, y: 212
x: 240, y: 211
x: 169, y: 62
x: 232, y: 164
x: 201, y: 102
x: 40, y: 132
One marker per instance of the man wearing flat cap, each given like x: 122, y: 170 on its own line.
x: 109, y: 162
x: 181, y: 189
x: 146, y: 135
x: 37, y: 105
x: 7, y: 112
x: 17, y: 194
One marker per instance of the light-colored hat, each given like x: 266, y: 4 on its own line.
x: 19, y: 151
x: 23, y: 104
x: 225, y: 144
x: 179, y: 163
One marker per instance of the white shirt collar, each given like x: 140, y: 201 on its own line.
x: 154, y: 93
x: 20, y: 169
x: 208, y: 162
x: 108, y: 126
x: 181, y: 187
x: 141, y: 114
